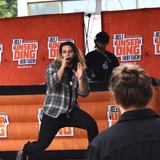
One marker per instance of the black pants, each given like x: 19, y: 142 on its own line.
x: 50, y: 126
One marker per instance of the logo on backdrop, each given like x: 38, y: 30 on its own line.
x: 127, y: 47
x: 156, y: 42
x: 53, y: 46
x: 3, y: 125
x: 1, y: 50
x: 112, y: 114
x: 25, y: 52
x: 66, y: 131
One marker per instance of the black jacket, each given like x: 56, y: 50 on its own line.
x: 136, y: 136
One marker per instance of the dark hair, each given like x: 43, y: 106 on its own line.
x: 68, y: 43
x: 78, y: 54
x: 102, y: 37
x: 131, y: 86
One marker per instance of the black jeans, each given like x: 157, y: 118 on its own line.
x: 50, y: 126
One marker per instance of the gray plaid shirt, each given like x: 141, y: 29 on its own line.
x: 57, y: 96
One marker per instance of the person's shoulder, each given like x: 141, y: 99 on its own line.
x: 112, y: 56
x: 107, y: 134
x: 109, y: 53
x: 53, y: 64
x: 91, y: 53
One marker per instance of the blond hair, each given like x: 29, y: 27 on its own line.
x: 78, y: 54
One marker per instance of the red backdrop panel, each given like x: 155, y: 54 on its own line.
x: 143, y: 22
x: 37, y: 28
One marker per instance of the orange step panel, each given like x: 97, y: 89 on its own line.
x: 22, y: 111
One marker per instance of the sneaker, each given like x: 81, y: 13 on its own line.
x: 20, y: 155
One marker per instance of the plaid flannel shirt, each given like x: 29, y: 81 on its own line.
x: 57, y: 93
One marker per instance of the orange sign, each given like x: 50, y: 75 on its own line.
x: 3, y: 125
x: 53, y: 46
x: 156, y: 42
x: 128, y: 48
x: 24, y: 52
x: 113, y: 114
x: 66, y: 131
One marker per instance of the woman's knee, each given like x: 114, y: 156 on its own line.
x: 92, y: 124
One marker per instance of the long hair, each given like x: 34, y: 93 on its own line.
x: 77, y: 53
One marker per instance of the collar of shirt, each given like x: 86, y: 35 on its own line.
x: 137, y: 114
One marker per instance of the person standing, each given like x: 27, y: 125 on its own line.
x: 136, y: 135
x: 66, y: 79
x: 100, y: 61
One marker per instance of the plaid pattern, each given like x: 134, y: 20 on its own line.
x: 57, y: 94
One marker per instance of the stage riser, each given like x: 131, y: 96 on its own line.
x: 22, y: 111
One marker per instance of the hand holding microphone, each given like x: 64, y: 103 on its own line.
x: 69, y: 59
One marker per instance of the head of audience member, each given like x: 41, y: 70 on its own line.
x: 78, y: 56
x: 101, y: 40
x: 131, y: 87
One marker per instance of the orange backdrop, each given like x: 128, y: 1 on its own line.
x: 143, y: 22
x: 37, y: 28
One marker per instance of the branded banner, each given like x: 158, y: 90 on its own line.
x: 156, y: 42
x: 127, y: 30
x: 24, y: 52
x: 3, y: 125
x: 128, y: 48
x: 112, y: 114
x: 31, y: 43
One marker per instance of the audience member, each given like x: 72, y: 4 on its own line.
x: 136, y: 135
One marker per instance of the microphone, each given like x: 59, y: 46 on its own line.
x: 107, y: 58
x: 69, y: 59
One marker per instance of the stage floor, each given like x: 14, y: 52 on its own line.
x: 47, y: 155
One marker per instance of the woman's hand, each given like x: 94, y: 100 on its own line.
x: 79, y: 71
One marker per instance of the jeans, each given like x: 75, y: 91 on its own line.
x: 50, y: 126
